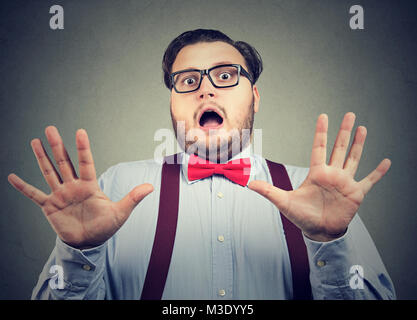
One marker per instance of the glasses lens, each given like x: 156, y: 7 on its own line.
x: 187, y: 80
x: 225, y: 76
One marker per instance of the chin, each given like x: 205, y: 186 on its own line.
x: 214, y: 146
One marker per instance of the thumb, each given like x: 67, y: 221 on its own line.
x: 130, y: 201
x: 277, y: 196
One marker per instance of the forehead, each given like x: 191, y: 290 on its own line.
x: 203, y: 55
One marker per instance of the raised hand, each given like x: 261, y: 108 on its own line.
x: 325, y: 203
x: 79, y: 212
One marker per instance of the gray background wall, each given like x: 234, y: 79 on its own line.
x: 102, y: 73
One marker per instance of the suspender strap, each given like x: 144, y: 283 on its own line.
x: 166, y: 227
x: 296, y: 247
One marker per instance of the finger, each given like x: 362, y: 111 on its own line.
x: 277, y: 196
x: 341, y: 144
x: 318, y: 154
x: 85, y: 157
x: 27, y: 190
x: 369, y: 181
x: 355, y: 153
x: 131, y: 200
x: 60, y: 154
x: 48, y: 170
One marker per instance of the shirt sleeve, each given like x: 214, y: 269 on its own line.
x: 349, y: 267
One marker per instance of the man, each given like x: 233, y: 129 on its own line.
x: 230, y: 241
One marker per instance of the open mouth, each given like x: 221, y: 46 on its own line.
x: 210, y: 119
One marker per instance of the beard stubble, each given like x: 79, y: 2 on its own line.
x: 223, y: 148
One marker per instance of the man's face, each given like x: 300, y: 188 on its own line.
x: 233, y: 107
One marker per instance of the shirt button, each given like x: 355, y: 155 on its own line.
x: 321, y: 263
x: 86, y: 267
x: 220, y: 195
x: 220, y: 238
x: 222, y: 292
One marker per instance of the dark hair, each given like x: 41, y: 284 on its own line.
x: 252, y: 58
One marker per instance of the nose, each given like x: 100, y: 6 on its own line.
x: 207, y: 90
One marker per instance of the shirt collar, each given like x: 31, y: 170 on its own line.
x: 246, y: 153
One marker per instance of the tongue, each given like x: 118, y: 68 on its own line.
x: 211, y: 123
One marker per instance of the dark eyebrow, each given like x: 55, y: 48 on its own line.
x: 223, y: 62
x: 214, y: 65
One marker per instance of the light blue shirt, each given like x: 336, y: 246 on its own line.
x: 229, y: 244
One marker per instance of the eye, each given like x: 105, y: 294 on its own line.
x: 189, y: 81
x: 225, y: 76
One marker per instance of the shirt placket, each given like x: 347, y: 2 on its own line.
x: 221, y: 241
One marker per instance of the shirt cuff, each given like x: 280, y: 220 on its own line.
x: 80, y: 267
x: 330, y: 262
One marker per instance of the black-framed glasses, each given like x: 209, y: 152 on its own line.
x: 222, y: 76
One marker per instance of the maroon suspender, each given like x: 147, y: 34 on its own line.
x: 158, y: 267
x: 166, y: 227
x: 296, y: 247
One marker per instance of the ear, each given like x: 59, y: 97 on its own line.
x: 256, y: 98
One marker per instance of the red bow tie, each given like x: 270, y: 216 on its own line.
x: 237, y: 171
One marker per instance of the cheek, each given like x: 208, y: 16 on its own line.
x: 239, y: 107
x: 179, y: 109
x: 174, y: 104
x: 237, y: 119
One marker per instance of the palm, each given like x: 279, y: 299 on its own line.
x: 79, y: 212
x: 327, y: 200
x: 325, y: 203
